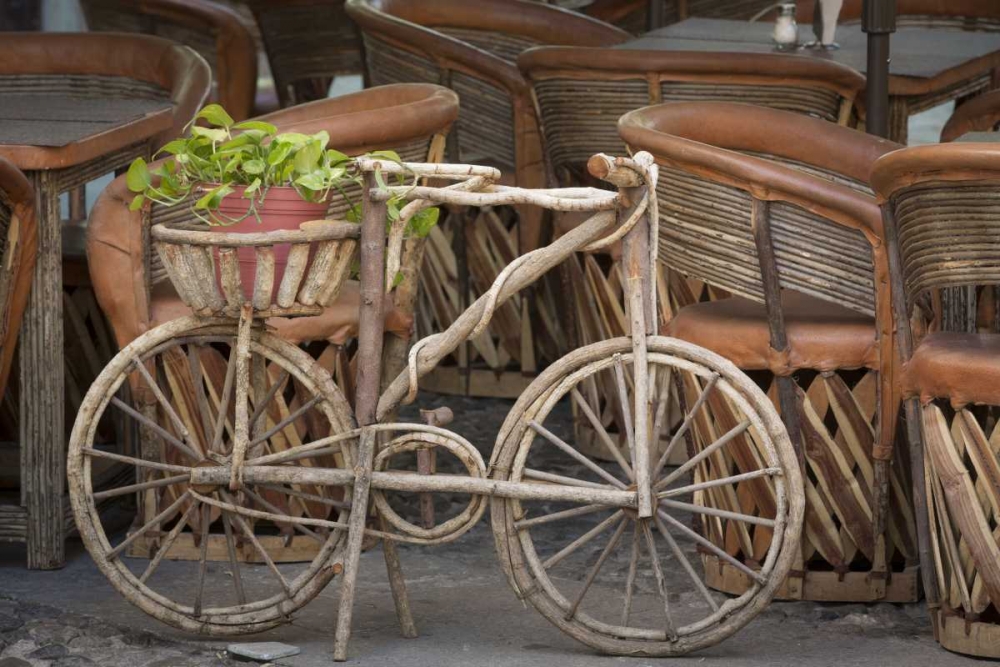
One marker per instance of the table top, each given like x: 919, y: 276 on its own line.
x: 48, y: 131
x: 922, y: 59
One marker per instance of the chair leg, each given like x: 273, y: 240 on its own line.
x: 355, y: 538
x: 398, y: 585
x: 880, y: 512
x: 915, y: 436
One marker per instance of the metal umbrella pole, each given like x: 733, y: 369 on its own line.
x: 878, y: 20
x: 654, y: 14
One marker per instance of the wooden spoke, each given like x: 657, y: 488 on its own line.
x: 722, y: 514
x: 242, y: 525
x: 297, y: 453
x: 573, y: 453
x: 626, y: 408
x: 311, y: 497
x: 661, y: 582
x: 162, y: 399
x: 755, y: 576
x: 159, y: 518
x: 227, y: 391
x: 234, y: 562
x: 659, y: 417
x: 162, y: 432
x: 592, y: 574
x: 554, y: 560
x: 206, y: 519
x: 290, y: 455
x: 602, y: 433
x: 531, y: 473
x: 558, y: 516
x: 686, y: 424
x: 167, y: 542
x: 633, y: 565
x: 685, y: 563
x: 287, y: 420
x: 734, y: 432
x: 271, y: 393
x: 155, y: 465
x: 141, y: 486
x: 198, y: 377
x: 722, y: 481
x: 271, y: 508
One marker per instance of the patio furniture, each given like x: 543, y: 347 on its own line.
x: 581, y: 93
x: 470, y: 46
x: 134, y: 291
x: 18, y: 244
x: 75, y: 106
x: 774, y: 207
x: 631, y: 15
x: 308, y: 43
x: 215, y: 31
x: 980, y: 114
x: 942, y: 221
x: 929, y: 66
x: 976, y: 15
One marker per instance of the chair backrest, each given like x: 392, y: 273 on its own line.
x: 308, y: 43
x: 631, y: 14
x: 581, y: 92
x: 18, y: 240
x: 980, y: 114
x: 106, y: 65
x: 216, y: 32
x: 470, y: 46
x: 411, y: 119
x: 943, y: 203
x: 980, y: 15
x: 748, y: 195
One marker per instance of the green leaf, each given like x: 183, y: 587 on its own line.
x: 397, y: 279
x: 137, y: 203
x: 212, y: 198
x: 174, y: 147
x: 254, y: 166
x: 422, y: 223
x: 138, y: 179
x: 279, y: 153
x: 336, y: 157
x: 392, y: 156
x: 313, y: 181
x: 257, y: 125
x: 293, y: 138
x: 213, y: 135
x: 308, y: 157
x: 216, y: 115
x: 252, y: 188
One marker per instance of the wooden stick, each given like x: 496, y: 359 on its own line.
x: 271, y: 508
x: 661, y: 582
x: 206, y: 516
x: 541, y: 475
x: 258, y: 546
x: 573, y: 453
x: 722, y: 514
x: 304, y: 408
x: 722, y: 481
x: 397, y: 584
x: 755, y: 576
x: 685, y: 425
x: 558, y: 557
x: 234, y: 562
x: 682, y: 559
x: 141, y: 486
x: 633, y: 565
x: 625, y: 408
x: 227, y: 390
x: 182, y: 430
x: 159, y: 518
x: 558, y: 516
x: 602, y: 433
x: 167, y: 543
x: 155, y: 465
x: 162, y: 432
x: 241, y: 438
x: 592, y: 574
x: 737, y: 430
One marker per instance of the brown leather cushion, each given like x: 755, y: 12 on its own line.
x: 337, y: 324
x: 821, y: 335
x: 964, y: 368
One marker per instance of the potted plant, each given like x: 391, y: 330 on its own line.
x: 247, y: 177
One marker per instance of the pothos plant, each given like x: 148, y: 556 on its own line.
x: 213, y: 161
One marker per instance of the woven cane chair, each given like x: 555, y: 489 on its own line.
x: 580, y: 93
x: 308, y: 43
x: 216, y: 32
x: 135, y: 293
x: 979, y: 15
x: 18, y: 240
x: 942, y: 217
x: 471, y: 46
x: 774, y: 208
x: 980, y: 114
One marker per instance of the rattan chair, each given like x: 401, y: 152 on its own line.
x: 942, y: 218
x: 981, y: 15
x: 581, y: 92
x: 216, y: 32
x: 136, y: 294
x: 308, y: 43
x: 980, y: 114
x: 471, y: 46
x: 774, y: 208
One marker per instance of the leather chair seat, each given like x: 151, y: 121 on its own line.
x: 337, y: 324
x: 821, y: 335
x: 962, y: 367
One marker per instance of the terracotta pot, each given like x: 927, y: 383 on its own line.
x: 283, y: 209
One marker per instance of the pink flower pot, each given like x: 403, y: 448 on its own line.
x: 283, y: 209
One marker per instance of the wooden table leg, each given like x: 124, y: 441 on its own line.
x: 42, y: 432
x: 899, y: 119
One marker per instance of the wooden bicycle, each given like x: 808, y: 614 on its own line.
x: 232, y: 452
